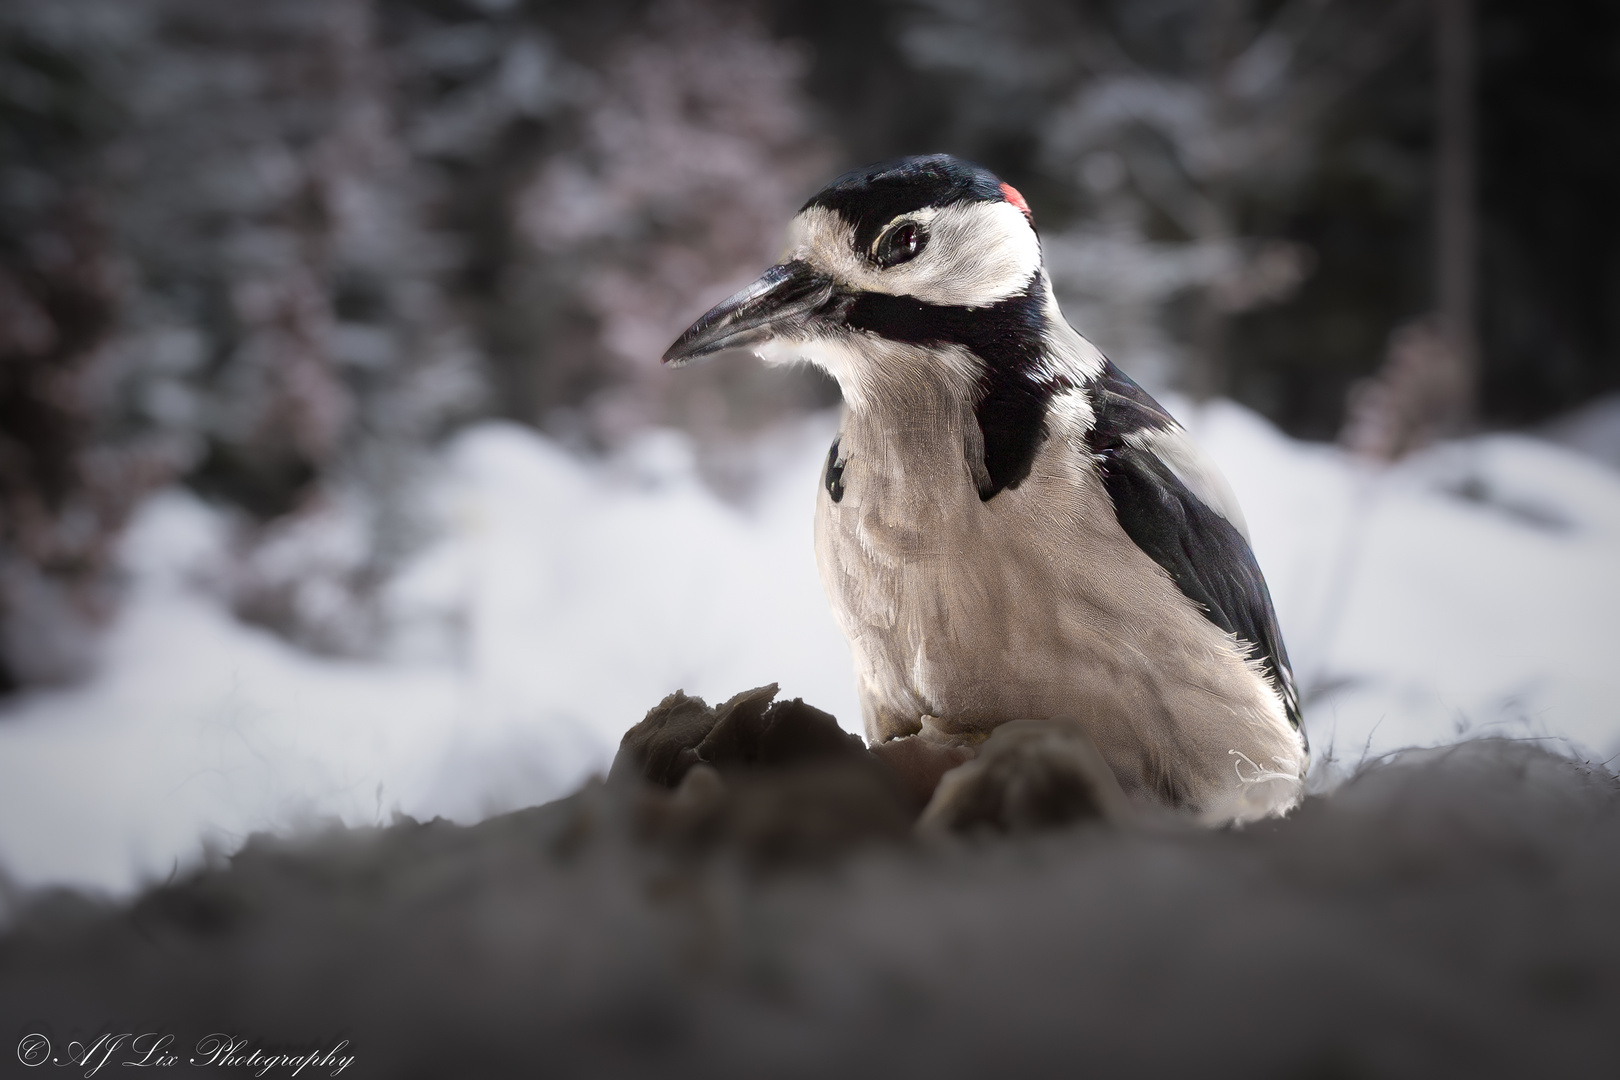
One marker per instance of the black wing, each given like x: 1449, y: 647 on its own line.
x: 1205, y: 554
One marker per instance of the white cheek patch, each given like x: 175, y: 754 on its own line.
x: 1197, y: 473
x: 977, y: 254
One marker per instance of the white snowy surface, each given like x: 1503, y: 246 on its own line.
x: 1467, y: 590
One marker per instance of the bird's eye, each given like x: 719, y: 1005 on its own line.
x: 899, y: 245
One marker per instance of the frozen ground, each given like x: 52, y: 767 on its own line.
x: 1469, y: 590
x: 1446, y: 914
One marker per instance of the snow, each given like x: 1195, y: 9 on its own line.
x: 1466, y: 590
x: 574, y: 597
x: 1593, y: 429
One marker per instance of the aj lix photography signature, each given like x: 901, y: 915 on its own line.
x: 160, y: 1051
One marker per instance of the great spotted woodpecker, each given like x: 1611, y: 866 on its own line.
x: 1008, y: 527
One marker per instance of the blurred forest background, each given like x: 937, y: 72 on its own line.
x: 278, y: 251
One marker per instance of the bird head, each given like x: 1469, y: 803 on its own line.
x: 923, y: 251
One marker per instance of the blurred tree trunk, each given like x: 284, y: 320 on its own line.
x: 1227, y: 27
x: 1455, y: 218
x: 1427, y: 385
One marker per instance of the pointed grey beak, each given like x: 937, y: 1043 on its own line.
x: 784, y: 298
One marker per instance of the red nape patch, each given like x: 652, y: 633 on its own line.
x: 1012, y: 196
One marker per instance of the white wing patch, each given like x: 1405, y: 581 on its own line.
x: 977, y: 254
x: 1197, y: 473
